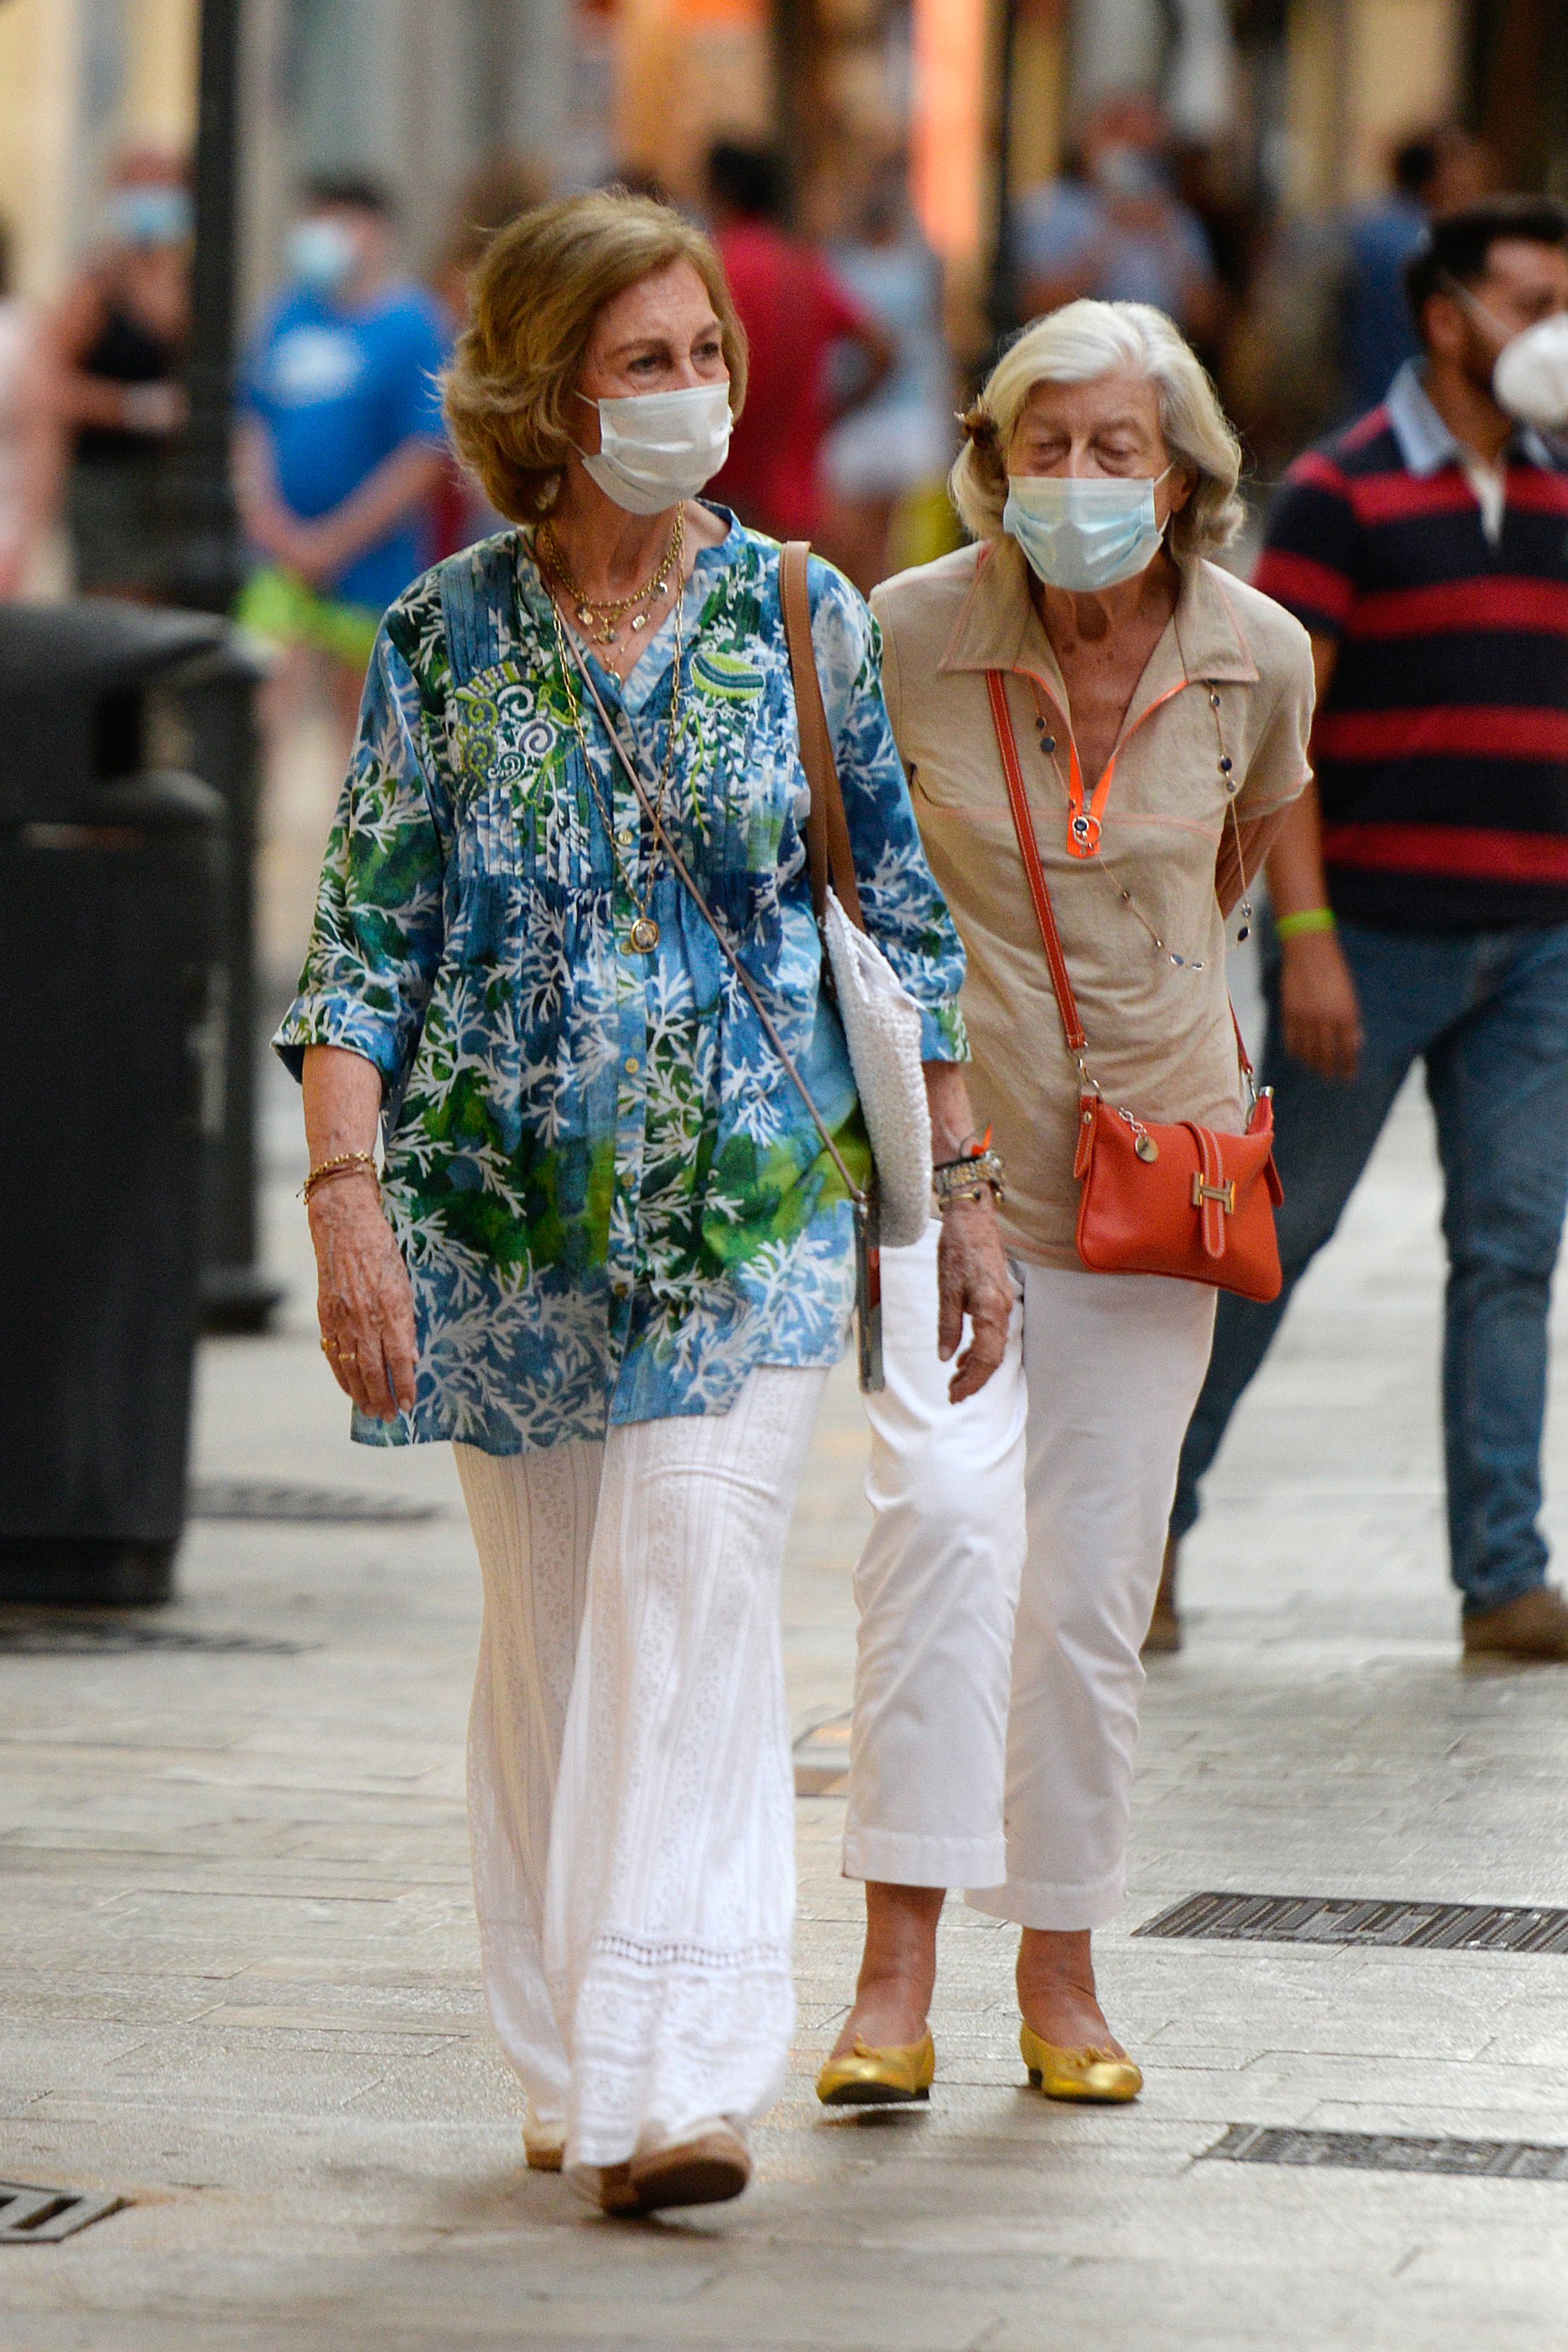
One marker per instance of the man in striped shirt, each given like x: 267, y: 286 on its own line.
x: 1421, y: 892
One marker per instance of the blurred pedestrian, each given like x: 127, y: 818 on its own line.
x: 1433, y: 172
x: 1117, y: 231
x: 31, y: 444
x: 797, y: 316
x: 501, y: 189
x: 342, y: 445
x: 901, y: 438
x: 1155, y: 712
x: 611, y: 1254
x: 118, y: 338
x: 1421, y: 892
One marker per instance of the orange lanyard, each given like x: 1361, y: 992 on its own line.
x: 1083, y: 824
x: 1084, y: 821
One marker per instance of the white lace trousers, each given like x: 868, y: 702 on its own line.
x: 1007, y: 1583
x: 630, y: 1802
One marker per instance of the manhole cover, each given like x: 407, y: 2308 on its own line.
x: 245, y: 1499
x: 61, y: 1633
x: 31, y: 2217
x: 1344, y: 1919
x: 1484, y: 2159
x: 822, y: 1760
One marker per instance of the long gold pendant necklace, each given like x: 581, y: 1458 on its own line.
x: 643, y: 932
x: 601, y: 615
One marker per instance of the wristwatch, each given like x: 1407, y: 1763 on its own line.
x: 965, y: 1178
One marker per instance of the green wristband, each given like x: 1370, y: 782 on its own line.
x: 1310, y: 919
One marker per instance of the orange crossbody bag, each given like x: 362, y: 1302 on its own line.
x: 1182, y: 1200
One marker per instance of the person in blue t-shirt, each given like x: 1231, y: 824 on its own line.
x: 1435, y: 172
x: 342, y: 447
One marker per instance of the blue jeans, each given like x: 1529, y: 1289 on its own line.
x: 1487, y: 1013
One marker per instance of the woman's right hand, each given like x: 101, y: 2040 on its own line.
x: 363, y: 1298
x: 1318, y: 1008
x: 973, y: 1281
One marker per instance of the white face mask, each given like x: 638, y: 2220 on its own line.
x: 658, y: 448
x: 1084, y: 533
x: 1531, y: 378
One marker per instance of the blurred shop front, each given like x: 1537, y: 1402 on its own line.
x: 1275, y: 110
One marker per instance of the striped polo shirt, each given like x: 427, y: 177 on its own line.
x: 1441, y: 747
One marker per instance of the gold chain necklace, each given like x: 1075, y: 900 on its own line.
x: 601, y: 615
x: 642, y: 934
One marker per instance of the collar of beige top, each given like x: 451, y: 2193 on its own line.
x: 999, y: 628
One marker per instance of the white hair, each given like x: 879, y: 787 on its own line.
x: 1076, y: 344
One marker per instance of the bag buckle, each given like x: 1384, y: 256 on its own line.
x: 1224, y: 1193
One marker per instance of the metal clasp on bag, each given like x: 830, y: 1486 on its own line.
x: 1143, y: 1143
x: 1224, y: 1193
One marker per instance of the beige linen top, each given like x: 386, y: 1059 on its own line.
x: 1160, y: 1039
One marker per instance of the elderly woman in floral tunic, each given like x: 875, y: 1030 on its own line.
x: 610, y: 1257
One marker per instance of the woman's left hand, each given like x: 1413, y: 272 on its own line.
x: 973, y: 1280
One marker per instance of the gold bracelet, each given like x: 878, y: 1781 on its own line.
x: 347, y: 1163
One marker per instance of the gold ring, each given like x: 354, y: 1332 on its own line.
x: 351, y: 1354
x: 329, y: 1347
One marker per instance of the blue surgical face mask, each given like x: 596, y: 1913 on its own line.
x: 155, y: 214
x: 1084, y: 532
x: 322, y: 254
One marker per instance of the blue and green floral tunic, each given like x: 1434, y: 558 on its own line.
x: 613, y: 1203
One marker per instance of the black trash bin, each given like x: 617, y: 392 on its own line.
x: 111, y: 1058
x: 206, y: 722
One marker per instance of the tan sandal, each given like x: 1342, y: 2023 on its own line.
x: 707, y: 2169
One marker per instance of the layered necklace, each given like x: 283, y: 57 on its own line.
x: 642, y: 934
x: 601, y: 616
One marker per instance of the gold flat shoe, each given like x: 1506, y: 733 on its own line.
x: 1097, y: 2076
x: 544, y: 2146
x: 864, y: 2078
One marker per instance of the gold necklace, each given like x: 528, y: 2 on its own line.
x: 600, y: 614
x: 643, y: 932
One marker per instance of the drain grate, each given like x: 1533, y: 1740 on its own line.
x: 1479, y: 2160
x: 244, y: 1498
x: 1340, y: 1919
x: 66, y: 1632
x: 822, y: 1760
x: 31, y: 2217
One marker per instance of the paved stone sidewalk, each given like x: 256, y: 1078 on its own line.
x: 240, y: 1988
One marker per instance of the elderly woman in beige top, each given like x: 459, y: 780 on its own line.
x: 1013, y: 1564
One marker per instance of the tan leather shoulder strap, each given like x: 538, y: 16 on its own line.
x: 828, y: 849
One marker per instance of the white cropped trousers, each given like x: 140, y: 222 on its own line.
x: 631, y: 1807
x: 1007, y: 1583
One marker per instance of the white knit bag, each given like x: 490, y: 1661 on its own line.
x: 882, y: 1030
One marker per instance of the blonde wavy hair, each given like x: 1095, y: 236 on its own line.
x: 536, y: 289
x: 1074, y: 345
